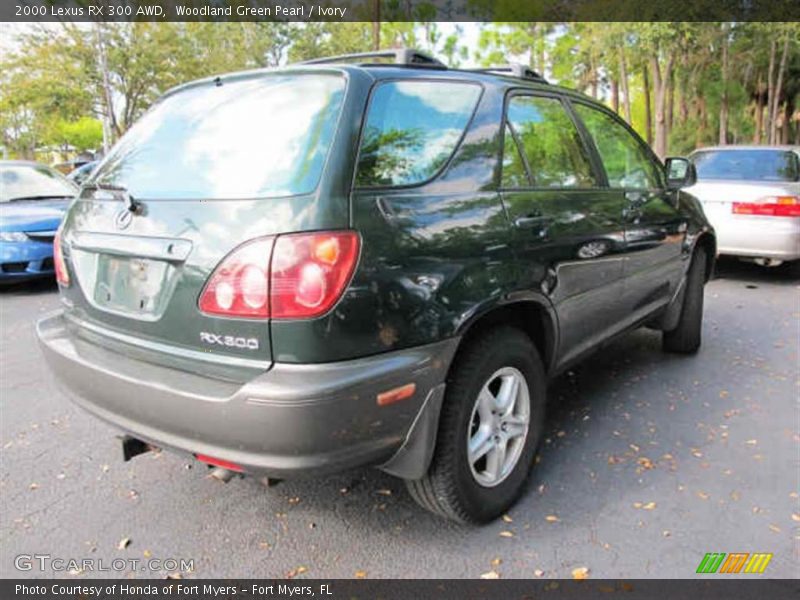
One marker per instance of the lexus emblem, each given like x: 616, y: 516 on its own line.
x: 123, y: 218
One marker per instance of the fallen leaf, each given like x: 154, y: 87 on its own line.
x: 774, y: 528
x: 646, y: 463
x: 294, y: 500
x: 723, y: 393
x: 751, y: 442
x: 634, y: 447
x: 637, y: 505
x: 696, y: 453
x: 124, y: 543
x: 507, y: 519
x: 580, y: 573
x: 649, y: 506
x: 361, y: 574
x: 666, y: 533
x: 538, y: 573
x: 551, y: 519
x: 490, y: 575
x: 147, y: 553
x: 296, y: 572
x: 507, y: 534
x: 34, y: 486
x: 795, y: 517
x: 496, y: 562
x: 703, y: 495
x: 174, y: 576
x: 385, y: 492
x: 734, y: 495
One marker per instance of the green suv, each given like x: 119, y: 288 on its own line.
x: 367, y: 260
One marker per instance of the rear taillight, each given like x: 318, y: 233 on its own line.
x: 239, y: 286
x: 297, y: 276
x: 62, y: 274
x: 310, y: 271
x: 770, y: 206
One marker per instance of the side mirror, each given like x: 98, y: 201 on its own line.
x: 680, y: 173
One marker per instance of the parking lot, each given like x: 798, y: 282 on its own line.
x: 650, y: 461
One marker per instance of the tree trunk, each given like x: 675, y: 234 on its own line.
x: 615, y: 95
x: 623, y: 76
x: 670, y: 102
x: 759, y: 110
x: 660, y: 85
x: 723, y: 104
x: 778, y: 90
x: 770, y: 89
x: 376, y: 27
x: 110, y: 126
x: 648, y: 118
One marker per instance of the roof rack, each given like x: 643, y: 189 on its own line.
x: 513, y: 69
x: 398, y: 56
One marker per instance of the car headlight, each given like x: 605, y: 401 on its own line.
x: 13, y: 236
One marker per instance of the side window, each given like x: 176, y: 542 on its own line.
x: 550, y: 142
x: 412, y: 130
x: 515, y: 174
x: 625, y: 160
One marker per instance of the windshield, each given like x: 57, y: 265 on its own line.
x: 257, y: 137
x: 35, y: 182
x: 747, y: 165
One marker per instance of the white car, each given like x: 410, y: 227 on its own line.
x: 751, y: 195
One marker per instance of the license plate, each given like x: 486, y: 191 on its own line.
x: 130, y: 285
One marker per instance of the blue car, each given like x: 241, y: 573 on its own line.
x: 33, y: 199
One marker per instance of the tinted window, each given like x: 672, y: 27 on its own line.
x: 412, y: 129
x: 551, y: 144
x: 515, y: 175
x: 752, y: 165
x: 33, y: 182
x: 257, y: 137
x: 626, y: 162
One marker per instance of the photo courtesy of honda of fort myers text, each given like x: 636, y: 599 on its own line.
x: 460, y: 299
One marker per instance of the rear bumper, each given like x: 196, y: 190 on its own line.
x: 288, y: 421
x: 759, y: 237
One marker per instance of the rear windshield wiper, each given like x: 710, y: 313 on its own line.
x: 126, y: 196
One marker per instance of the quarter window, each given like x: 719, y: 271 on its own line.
x: 549, y: 140
x: 412, y: 129
x: 626, y: 163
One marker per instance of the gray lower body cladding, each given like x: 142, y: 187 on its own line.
x: 291, y: 420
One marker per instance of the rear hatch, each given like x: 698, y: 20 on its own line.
x: 211, y: 166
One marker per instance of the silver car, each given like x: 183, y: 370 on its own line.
x: 751, y: 195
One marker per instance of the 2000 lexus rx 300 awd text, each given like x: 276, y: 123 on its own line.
x: 297, y: 271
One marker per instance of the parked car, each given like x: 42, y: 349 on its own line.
x: 330, y: 265
x: 751, y: 195
x: 33, y: 199
x: 80, y: 174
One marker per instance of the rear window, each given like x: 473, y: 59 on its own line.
x: 412, y: 129
x: 747, y: 165
x: 260, y: 137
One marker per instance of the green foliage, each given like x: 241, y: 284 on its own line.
x: 58, y: 77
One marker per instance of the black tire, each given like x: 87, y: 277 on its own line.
x: 449, y: 488
x: 687, y: 336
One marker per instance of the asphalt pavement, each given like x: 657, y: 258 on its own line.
x: 649, y: 462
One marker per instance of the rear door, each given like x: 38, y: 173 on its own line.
x: 655, y: 229
x: 567, y: 224
x: 208, y: 168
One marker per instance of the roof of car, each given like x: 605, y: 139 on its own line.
x: 749, y: 147
x: 394, y: 71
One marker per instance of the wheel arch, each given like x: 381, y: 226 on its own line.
x: 531, y: 314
